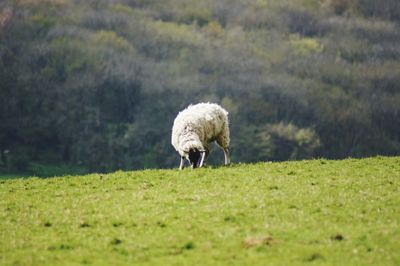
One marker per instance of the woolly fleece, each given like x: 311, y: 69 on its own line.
x: 198, y: 125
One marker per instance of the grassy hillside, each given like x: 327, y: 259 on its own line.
x: 320, y: 212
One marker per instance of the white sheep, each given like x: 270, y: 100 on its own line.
x: 195, y: 128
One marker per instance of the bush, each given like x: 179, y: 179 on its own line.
x: 19, y: 163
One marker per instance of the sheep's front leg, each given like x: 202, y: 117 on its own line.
x: 182, y: 162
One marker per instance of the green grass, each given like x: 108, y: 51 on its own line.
x: 308, y: 212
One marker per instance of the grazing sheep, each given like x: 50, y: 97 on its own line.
x: 195, y: 128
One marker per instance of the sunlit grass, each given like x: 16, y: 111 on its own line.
x: 320, y: 211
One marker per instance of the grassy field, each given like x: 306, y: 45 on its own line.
x: 308, y: 212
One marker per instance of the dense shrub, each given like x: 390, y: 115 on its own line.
x: 97, y: 84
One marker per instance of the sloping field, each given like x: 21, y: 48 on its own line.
x: 308, y: 212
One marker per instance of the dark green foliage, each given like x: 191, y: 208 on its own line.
x: 97, y: 84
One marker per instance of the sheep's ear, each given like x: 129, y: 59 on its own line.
x: 203, y: 154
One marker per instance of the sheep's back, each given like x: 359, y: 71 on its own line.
x: 205, y: 119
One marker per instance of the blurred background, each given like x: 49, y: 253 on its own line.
x: 94, y: 86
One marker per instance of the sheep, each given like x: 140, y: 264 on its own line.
x: 195, y: 128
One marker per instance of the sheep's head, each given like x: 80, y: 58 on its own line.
x: 196, y: 158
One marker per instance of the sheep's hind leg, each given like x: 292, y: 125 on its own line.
x: 223, y: 143
x: 226, y: 154
x: 181, y: 164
